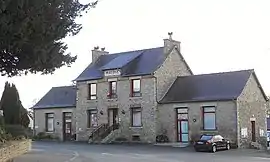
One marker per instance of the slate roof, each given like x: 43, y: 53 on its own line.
x: 208, y: 87
x: 131, y: 63
x: 58, y: 97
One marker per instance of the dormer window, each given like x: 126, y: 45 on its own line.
x: 135, y: 88
x: 92, y: 91
x: 112, y: 89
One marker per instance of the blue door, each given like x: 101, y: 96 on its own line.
x: 182, y: 130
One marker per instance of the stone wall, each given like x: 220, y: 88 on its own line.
x: 40, y: 119
x: 14, y: 149
x: 225, y: 119
x: 172, y: 67
x: 153, y: 87
x: 251, y: 106
x: 123, y: 102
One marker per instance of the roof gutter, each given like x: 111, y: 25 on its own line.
x: 37, y: 108
x: 187, y: 101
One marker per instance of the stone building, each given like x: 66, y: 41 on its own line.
x: 232, y: 104
x: 138, y: 95
x: 53, y: 112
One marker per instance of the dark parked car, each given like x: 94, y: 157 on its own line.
x: 211, y: 143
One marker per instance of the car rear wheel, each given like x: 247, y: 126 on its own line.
x: 228, y: 147
x: 214, y: 149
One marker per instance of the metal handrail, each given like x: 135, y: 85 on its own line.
x: 96, y: 133
x: 103, y: 131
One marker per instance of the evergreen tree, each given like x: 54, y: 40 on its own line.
x: 15, y: 105
x: 24, y: 117
x: 13, y: 110
x: 32, y: 32
x: 5, y: 100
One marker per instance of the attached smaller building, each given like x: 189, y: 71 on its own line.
x: 232, y: 104
x: 53, y: 114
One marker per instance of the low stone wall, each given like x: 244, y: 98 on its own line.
x: 14, y: 149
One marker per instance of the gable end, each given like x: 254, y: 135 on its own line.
x: 181, y: 56
x: 249, y: 88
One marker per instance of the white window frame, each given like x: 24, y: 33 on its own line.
x: 136, y: 92
x: 136, y: 111
x: 49, y: 117
x: 92, y: 91
x: 92, y: 116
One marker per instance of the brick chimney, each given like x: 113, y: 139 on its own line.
x: 96, y: 52
x: 169, y: 43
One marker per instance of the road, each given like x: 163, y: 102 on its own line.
x: 77, y: 152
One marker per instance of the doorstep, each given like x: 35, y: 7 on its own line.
x: 176, y: 144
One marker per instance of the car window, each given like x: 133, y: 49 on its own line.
x: 217, y: 138
x: 206, y: 137
x: 220, y: 137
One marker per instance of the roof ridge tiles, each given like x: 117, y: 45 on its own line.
x: 144, y: 49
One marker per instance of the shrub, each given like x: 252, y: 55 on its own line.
x: 8, y: 137
x: 17, y: 130
x: 2, y: 135
x: 48, y: 136
x: 43, y: 135
x: 2, y: 121
x: 19, y: 138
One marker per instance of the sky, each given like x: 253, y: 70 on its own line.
x: 215, y: 35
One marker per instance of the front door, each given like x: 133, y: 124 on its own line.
x: 183, y: 130
x: 67, y: 134
x: 182, y: 125
x: 113, y: 116
x: 253, y: 132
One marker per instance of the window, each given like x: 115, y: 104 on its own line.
x: 135, y: 87
x: 209, y: 118
x: 112, y: 89
x: 92, y: 118
x: 244, y: 132
x: 218, y: 138
x: 136, y: 117
x: 206, y: 137
x: 49, y: 122
x: 92, y: 91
